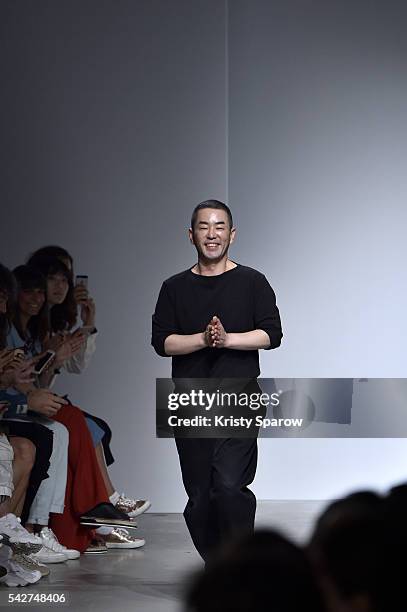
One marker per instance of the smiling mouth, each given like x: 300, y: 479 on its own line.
x: 211, y: 245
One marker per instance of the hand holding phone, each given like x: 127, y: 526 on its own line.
x: 81, y: 289
x: 54, y: 342
x: 6, y: 358
x: 18, y: 371
x: 42, y: 362
x: 81, y: 279
x: 24, y: 372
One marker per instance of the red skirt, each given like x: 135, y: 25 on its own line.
x: 85, y: 487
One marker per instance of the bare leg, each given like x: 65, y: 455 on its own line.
x: 34, y: 528
x: 5, y: 507
x: 24, y: 457
x: 103, y: 469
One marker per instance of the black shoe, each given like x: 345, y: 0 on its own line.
x: 106, y: 514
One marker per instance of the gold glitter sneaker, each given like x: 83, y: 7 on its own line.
x: 16, y: 537
x: 96, y: 547
x: 32, y: 565
x: 132, y: 507
x: 120, y: 538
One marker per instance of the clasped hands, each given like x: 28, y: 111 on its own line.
x: 215, y: 334
x: 65, y: 345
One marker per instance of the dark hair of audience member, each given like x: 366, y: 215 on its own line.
x: 49, y: 251
x: 352, y: 553
x: 8, y: 289
x: 62, y: 316
x: 395, y: 507
x: 29, y: 279
x: 396, y: 501
x: 264, y: 572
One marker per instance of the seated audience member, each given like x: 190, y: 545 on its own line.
x: 16, y: 566
x: 355, y: 551
x: 86, y: 500
x: 31, y: 443
x: 63, y: 300
x: 24, y: 453
x: 46, y: 491
x: 263, y: 572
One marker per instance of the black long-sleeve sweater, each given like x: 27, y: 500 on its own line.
x: 243, y: 300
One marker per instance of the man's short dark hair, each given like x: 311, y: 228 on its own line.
x: 211, y: 204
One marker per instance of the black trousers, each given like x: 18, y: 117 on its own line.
x: 216, y: 474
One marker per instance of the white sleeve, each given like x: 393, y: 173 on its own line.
x: 6, y: 467
x: 79, y: 362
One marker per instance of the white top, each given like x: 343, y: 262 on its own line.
x: 79, y: 362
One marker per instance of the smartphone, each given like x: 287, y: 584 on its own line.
x: 43, y: 362
x: 82, y: 279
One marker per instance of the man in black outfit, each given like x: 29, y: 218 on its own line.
x: 212, y: 319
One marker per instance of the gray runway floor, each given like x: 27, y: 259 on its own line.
x: 150, y: 579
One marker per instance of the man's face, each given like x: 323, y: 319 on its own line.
x: 211, y: 234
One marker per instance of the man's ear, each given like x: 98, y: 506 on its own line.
x: 191, y: 235
x: 232, y: 234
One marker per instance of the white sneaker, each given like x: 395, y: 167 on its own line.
x: 50, y: 540
x: 12, y: 580
x: 15, y: 536
x: 8, y: 577
x: 46, y: 555
x: 29, y: 576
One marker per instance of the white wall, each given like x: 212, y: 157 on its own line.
x: 114, y: 128
x: 317, y: 143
